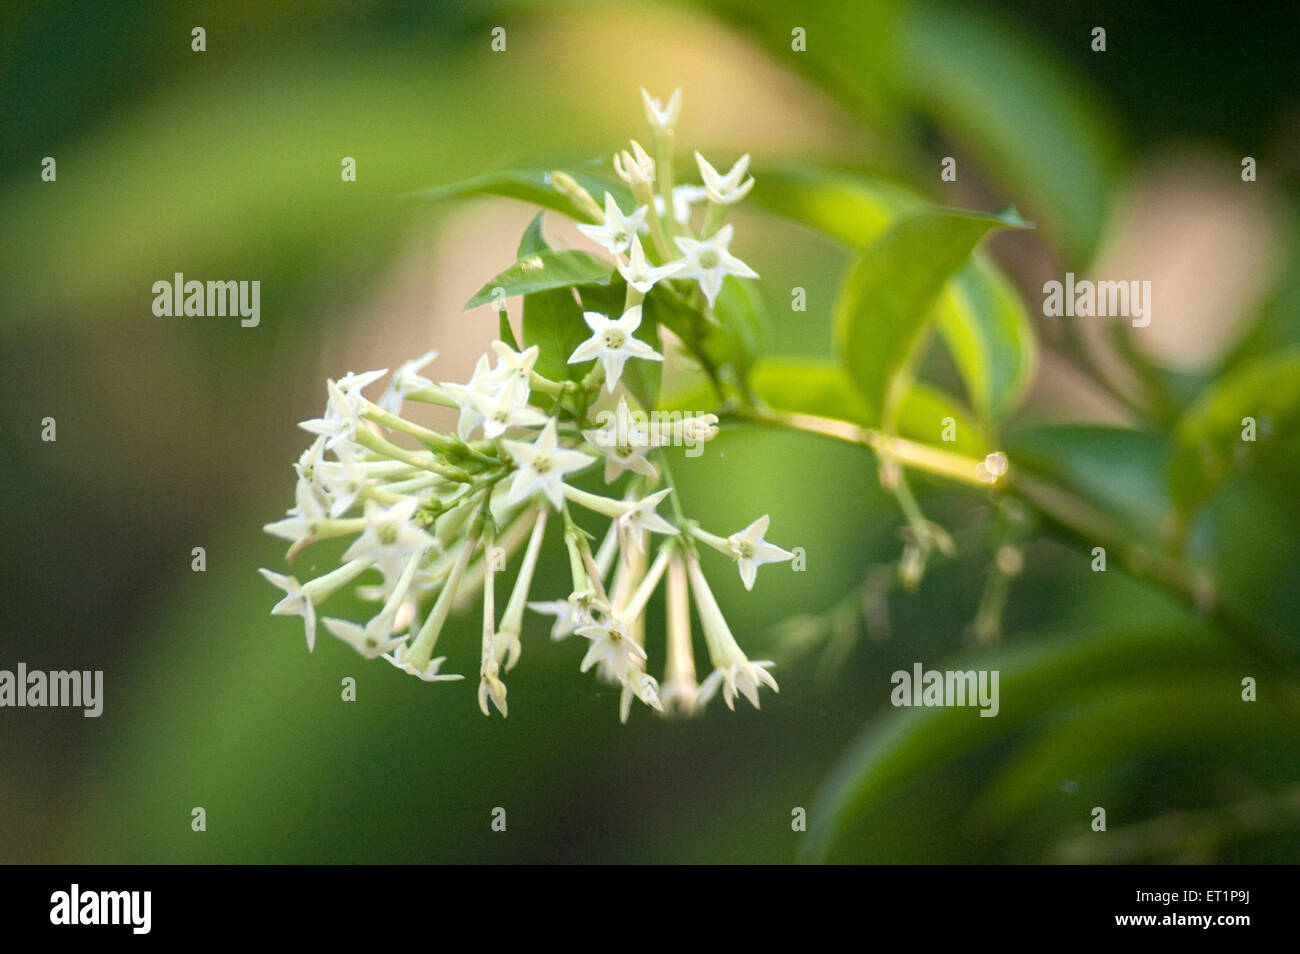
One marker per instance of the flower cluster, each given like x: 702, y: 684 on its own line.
x: 433, y: 518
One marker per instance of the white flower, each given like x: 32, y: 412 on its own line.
x: 636, y: 683
x: 611, y: 647
x: 742, y: 678
x: 642, y: 517
x: 662, y: 118
x: 342, y: 413
x: 624, y: 443
x: 343, y: 480
x: 429, y: 673
x: 751, y: 551
x: 639, y: 273
x: 372, y: 640
x: 406, y: 380
x: 709, y: 262
x: 356, y: 382
x: 615, y: 234
x: 295, y: 603
x: 612, y: 342
x: 542, y: 466
x: 504, y: 411
x: 637, y: 169
x: 484, y: 383
x: 512, y: 365
x: 726, y: 189
x: 569, y: 615
x: 732, y: 670
x: 684, y: 196
x: 390, y: 535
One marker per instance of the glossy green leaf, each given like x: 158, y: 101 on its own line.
x: 533, y: 186
x: 851, y: 208
x: 543, y: 272
x: 988, y: 332
x: 889, y: 293
x: 1209, y: 436
x: 1035, y: 681
x: 1027, y: 119
x: 532, y: 242
x: 553, y: 322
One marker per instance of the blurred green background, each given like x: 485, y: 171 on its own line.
x: 176, y: 433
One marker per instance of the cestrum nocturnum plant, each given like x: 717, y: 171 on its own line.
x: 434, y: 520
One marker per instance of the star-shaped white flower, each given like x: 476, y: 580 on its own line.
x: 406, y: 380
x: 709, y: 262
x: 624, y: 442
x: 726, y: 189
x: 372, y: 640
x: 611, y: 646
x: 612, y: 342
x: 429, y: 673
x: 343, y: 480
x: 660, y: 117
x: 616, y: 232
x: 342, y: 413
x: 639, y: 273
x: 751, y: 550
x: 542, y: 466
x: 569, y: 615
x: 642, y: 516
x: 296, y: 602
x: 743, y: 677
x: 390, y: 534
x: 503, y: 411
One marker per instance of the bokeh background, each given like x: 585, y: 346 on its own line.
x: 176, y: 433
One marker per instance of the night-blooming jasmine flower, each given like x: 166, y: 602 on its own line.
x: 726, y: 189
x: 611, y: 646
x: 612, y: 342
x: 639, y: 273
x: 390, y: 534
x: 503, y: 411
x: 542, y: 466
x: 406, y: 380
x: 660, y: 117
x: 733, y: 672
x: 569, y: 615
x: 616, y: 232
x: 637, y: 169
x: 642, y: 517
x: 430, y: 671
x: 624, y: 442
x: 751, y: 551
x: 709, y: 262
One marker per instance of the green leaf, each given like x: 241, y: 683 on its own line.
x: 543, y: 272
x: 988, y: 332
x: 849, y: 207
x: 1026, y: 118
x: 533, y: 242
x: 740, y: 312
x: 532, y: 186
x: 553, y: 321
x: 890, y: 292
x: 1036, y: 682
x: 1208, y: 436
